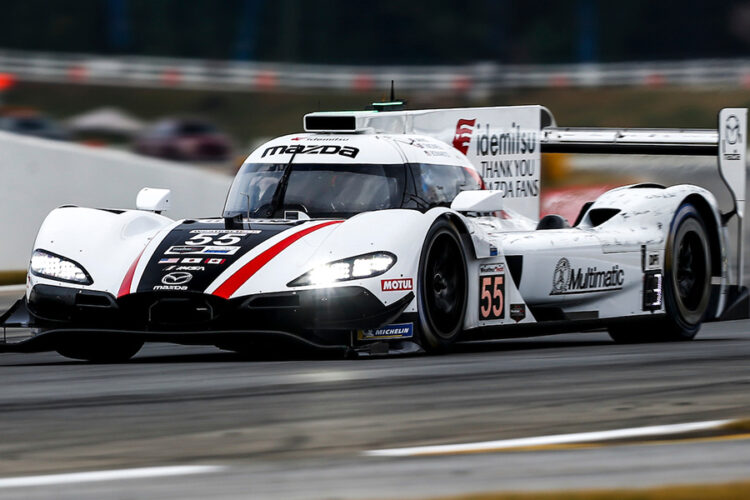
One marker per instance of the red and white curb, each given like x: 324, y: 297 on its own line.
x: 557, y: 439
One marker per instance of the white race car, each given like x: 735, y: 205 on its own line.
x: 397, y: 231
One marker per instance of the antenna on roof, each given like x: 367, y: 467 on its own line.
x: 392, y: 105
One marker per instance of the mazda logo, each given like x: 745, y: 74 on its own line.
x: 176, y: 278
x: 733, y: 129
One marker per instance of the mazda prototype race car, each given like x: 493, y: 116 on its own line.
x: 398, y: 231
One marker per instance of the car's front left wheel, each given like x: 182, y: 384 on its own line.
x: 441, y: 287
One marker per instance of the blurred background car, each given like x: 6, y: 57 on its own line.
x: 187, y: 139
x: 107, y: 125
x: 33, y: 123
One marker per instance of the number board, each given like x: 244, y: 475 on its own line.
x: 491, y: 297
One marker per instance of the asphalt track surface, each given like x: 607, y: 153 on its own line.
x: 297, y: 428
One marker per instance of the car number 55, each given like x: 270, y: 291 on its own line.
x: 211, y: 239
x: 492, y: 297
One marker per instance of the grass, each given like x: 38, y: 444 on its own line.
x: 728, y: 491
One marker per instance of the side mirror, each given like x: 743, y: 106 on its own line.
x: 153, y: 199
x: 478, y: 201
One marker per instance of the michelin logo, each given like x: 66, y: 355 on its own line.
x: 398, y: 331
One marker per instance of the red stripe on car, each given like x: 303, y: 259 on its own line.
x: 236, y: 280
x: 128, y: 281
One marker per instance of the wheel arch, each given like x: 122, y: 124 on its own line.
x: 463, y: 230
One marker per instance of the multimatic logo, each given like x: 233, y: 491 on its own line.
x: 567, y: 280
x: 322, y: 149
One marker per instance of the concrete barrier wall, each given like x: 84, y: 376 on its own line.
x: 37, y: 175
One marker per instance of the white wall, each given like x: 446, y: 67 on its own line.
x: 37, y: 175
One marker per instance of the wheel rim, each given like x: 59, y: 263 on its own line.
x: 691, y: 271
x: 444, y: 285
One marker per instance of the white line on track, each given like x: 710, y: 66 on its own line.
x: 107, y: 475
x: 12, y: 288
x: 558, y: 439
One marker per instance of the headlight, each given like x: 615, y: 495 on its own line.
x: 361, y: 266
x: 48, y: 265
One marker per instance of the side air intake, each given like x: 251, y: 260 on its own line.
x: 599, y: 216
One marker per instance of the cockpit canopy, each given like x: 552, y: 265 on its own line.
x: 342, y: 190
x: 330, y: 176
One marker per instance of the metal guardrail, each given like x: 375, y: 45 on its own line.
x: 259, y: 77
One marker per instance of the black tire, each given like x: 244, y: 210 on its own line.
x: 686, y: 285
x: 101, y: 350
x: 441, y: 287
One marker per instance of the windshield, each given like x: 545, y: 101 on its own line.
x: 320, y: 190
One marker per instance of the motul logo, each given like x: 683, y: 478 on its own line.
x: 396, y: 285
x: 461, y: 140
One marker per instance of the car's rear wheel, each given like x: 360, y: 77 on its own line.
x: 101, y: 350
x: 441, y: 287
x: 686, y: 285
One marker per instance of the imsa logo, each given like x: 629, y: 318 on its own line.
x: 567, y: 280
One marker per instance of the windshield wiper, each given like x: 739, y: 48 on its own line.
x: 280, y: 190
